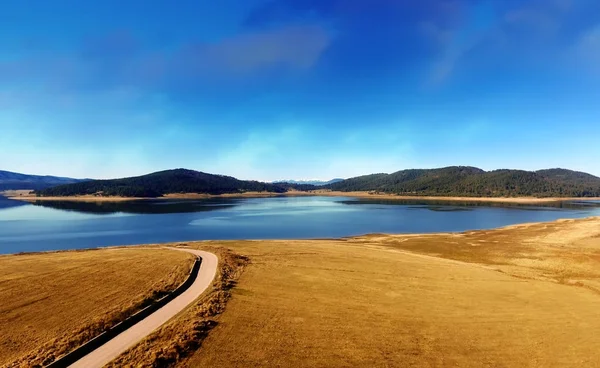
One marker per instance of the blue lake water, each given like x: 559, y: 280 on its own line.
x: 26, y: 227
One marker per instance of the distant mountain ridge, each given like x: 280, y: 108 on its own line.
x: 13, y: 181
x: 464, y: 181
x: 474, y: 182
x: 167, y: 182
x: 309, y: 182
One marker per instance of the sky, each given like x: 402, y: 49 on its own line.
x: 298, y: 89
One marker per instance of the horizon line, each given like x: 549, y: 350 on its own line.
x: 289, y: 179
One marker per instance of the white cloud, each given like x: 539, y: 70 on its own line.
x: 255, y: 156
x: 456, y: 41
x: 587, y: 49
x: 297, y: 47
x: 292, y: 152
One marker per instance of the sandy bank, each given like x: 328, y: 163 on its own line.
x: 368, y: 195
x: 452, y: 199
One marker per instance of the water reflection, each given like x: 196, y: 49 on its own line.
x: 163, y: 206
x: 70, y: 225
x: 440, y: 205
x: 9, y: 203
x: 141, y: 207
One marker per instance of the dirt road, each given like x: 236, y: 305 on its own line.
x: 112, y: 349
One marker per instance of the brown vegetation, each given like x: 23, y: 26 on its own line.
x: 82, y: 198
x: 52, y: 302
x: 379, y: 195
x: 15, y: 193
x: 520, y: 296
x: 296, y: 193
x: 183, y: 335
x: 524, y: 295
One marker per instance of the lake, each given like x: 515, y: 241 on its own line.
x: 26, y: 227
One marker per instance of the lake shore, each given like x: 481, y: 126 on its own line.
x: 466, y: 299
x: 523, y: 200
x: 25, y: 196
x: 506, y: 288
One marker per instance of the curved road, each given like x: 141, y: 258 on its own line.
x: 128, y: 338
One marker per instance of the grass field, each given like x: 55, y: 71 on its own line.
x: 51, y: 302
x: 524, y: 296
x: 180, y: 337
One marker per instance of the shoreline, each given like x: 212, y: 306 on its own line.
x: 324, y: 193
x: 531, y: 271
x: 523, y: 225
x: 523, y: 200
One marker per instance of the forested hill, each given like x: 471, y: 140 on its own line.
x: 473, y: 182
x: 449, y: 181
x: 166, y: 182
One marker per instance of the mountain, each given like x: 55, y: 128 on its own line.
x: 473, y: 182
x: 12, y: 181
x: 165, y: 182
x: 308, y: 182
x: 448, y: 181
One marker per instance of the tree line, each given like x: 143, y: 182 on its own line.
x: 474, y: 182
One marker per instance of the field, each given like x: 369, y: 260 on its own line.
x: 525, y: 296
x: 521, y: 296
x: 52, y: 301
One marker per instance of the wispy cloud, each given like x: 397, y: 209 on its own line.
x: 267, y: 89
x: 303, y: 150
x: 587, y: 49
x: 119, y: 60
x: 540, y: 17
x: 457, y: 40
x: 294, y: 47
x: 512, y: 33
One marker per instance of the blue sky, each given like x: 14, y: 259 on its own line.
x: 272, y: 89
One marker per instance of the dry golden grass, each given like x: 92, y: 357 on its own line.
x: 81, y: 198
x: 381, y: 195
x: 26, y: 196
x: 183, y: 335
x: 15, y: 193
x: 52, y: 302
x: 523, y: 296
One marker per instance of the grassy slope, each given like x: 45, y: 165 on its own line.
x: 64, y: 295
x: 525, y: 296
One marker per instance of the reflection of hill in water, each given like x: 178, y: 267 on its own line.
x: 439, y: 205
x: 139, y: 207
x: 8, y: 203
x: 162, y: 206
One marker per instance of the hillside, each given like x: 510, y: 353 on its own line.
x: 462, y: 181
x: 12, y: 181
x: 474, y: 182
x: 165, y: 182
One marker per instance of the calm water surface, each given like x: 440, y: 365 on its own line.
x: 42, y: 226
